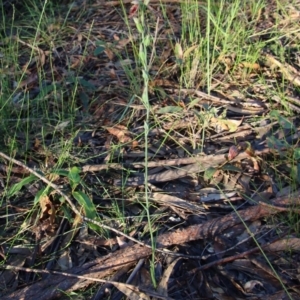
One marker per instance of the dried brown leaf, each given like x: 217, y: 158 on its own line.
x: 249, y: 65
x: 109, y: 53
x: 132, y: 292
x: 288, y: 244
x: 221, y: 125
x: 233, y: 152
x: 133, y: 10
x: 48, y: 210
x: 120, y: 132
x: 163, y: 285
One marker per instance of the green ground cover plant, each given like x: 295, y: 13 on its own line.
x: 149, y: 149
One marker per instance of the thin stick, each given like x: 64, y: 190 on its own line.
x: 68, y: 199
x: 76, y: 211
x: 115, y: 283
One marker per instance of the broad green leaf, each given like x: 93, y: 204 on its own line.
x: 87, y: 84
x: 274, y: 113
x: 88, y: 206
x: 67, y: 213
x: 279, y: 145
x: 74, y: 177
x: 169, y: 109
x: 275, y: 143
x: 147, y: 40
x: 100, y: 47
x: 46, y: 90
x: 209, y: 173
x: 40, y: 193
x: 99, y: 50
x: 193, y: 103
x: 284, y: 122
x: 60, y: 172
x: 297, y: 153
x: 143, y: 59
x: 18, y: 186
x: 100, y: 43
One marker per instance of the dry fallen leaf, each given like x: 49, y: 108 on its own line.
x: 132, y: 292
x: 120, y: 132
x: 253, y: 66
x: 233, y: 152
x: 109, y: 53
x: 47, y: 216
x: 221, y: 125
x: 250, y: 285
x: 163, y: 285
x: 133, y: 10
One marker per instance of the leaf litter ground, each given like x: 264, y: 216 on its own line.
x: 222, y: 162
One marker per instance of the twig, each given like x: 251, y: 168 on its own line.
x: 155, y: 164
x: 68, y: 199
x: 115, y: 283
x: 202, y: 164
x: 76, y: 211
x: 233, y: 257
x: 139, y: 165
